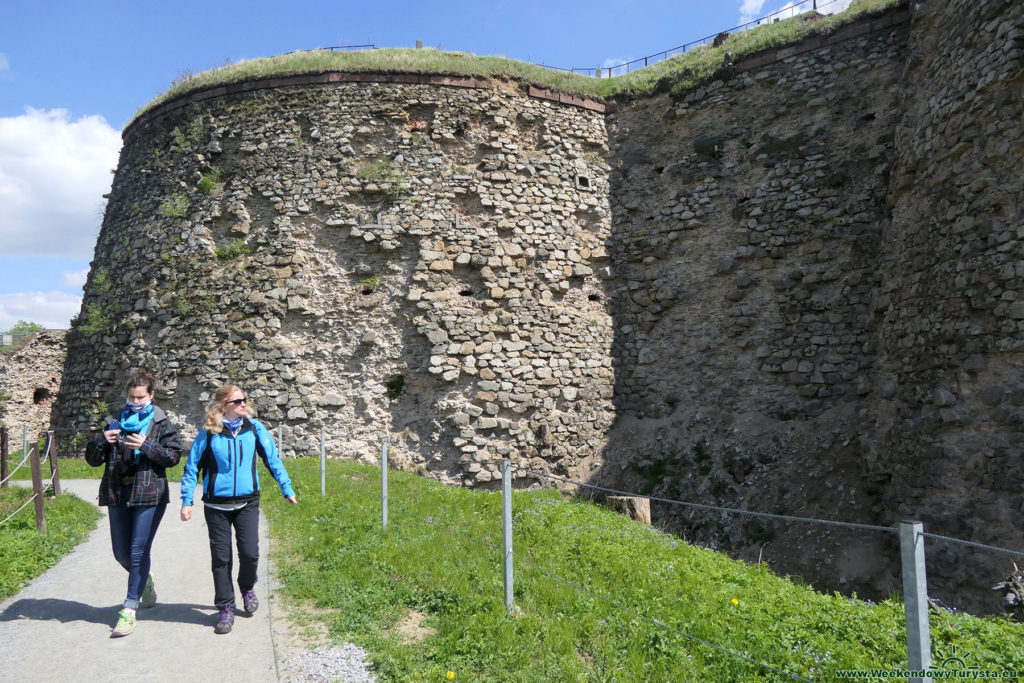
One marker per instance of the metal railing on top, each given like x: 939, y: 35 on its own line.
x: 786, y: 12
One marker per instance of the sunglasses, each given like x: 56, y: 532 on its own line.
x: 237, y: 401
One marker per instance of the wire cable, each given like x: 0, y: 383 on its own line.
x: 445, y: 529
x: 658, y: 623
x: 973, y: 544
x: 715, y: 508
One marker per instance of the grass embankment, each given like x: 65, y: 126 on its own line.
x: 24, y: 552
x: 679, y: 72
x: 363, y: 583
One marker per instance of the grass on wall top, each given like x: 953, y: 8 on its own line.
x: 681, y: 71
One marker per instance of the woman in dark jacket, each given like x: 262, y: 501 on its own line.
x: 226, y: 451
x: 135, y: 446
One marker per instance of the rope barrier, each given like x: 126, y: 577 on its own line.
x: 11, y: 473
x: 658, y: 623
x: 715, y: 508
x: 33, y: 497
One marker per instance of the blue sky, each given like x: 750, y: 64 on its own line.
x: 72, y: 75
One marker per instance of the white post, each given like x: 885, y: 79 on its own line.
x: 506, y: 526
x: 24, y: 440
x: 280, y: 439
x: 384, y: 480
x: 915, y: 598
x: 323, y: 463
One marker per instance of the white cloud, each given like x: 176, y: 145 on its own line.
x: 53, y: 173
x: 755, y: 9
x: 611, y: 62
x: 789, y: 10
x: 750, y: 10
x: 75, y: 279
x: 833, y: 6
x: 4, y: 64
x: 49, y: 309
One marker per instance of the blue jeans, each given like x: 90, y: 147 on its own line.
x: 132, y: 530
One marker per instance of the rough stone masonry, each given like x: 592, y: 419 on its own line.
x: 795, y: 289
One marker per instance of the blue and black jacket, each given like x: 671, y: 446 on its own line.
x: 228, y: 464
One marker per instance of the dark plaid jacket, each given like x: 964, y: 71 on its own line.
x: 148, y: 478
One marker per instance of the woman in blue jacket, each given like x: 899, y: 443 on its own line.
x: 225, y: 451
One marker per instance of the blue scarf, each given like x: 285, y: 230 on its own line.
x: 233, y: 425
x: 132, y: 421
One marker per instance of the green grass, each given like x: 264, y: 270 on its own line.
x: 679, y: 72
x: 338, y: 567
x: 24, y: 552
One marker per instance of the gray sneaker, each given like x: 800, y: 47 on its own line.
x: 148, y: 598
x: 226, y: 621
x: 249, y: 601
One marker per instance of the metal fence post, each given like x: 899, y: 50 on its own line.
x: 3, y: 455
x: 24, y: 440
x: 323, y: 463
x: 384, y: 481
x: 915, y: 597
x: 280, y: 439
x: 506, y: 526
x: 51, y: 455
x: 37, y: 487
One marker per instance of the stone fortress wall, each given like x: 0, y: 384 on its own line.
x: 31, y: 376
x: 371, y: 257
x: 796, y: 289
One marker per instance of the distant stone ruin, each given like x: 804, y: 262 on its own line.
x: 31, y: 376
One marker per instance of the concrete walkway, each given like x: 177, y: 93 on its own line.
x: 58, y: 627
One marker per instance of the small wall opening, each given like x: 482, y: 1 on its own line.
x: 40, y: 394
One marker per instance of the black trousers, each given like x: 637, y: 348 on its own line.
x: 246, y: 522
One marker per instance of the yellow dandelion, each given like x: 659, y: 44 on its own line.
x: 734, y: 601
x: 450, y: 675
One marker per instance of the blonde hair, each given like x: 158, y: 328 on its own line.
x: 215, y: 410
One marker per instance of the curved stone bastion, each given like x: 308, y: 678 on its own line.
x: 795, y: 288
x: 413, y: 256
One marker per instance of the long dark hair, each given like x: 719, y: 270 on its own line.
x: 141, y: 378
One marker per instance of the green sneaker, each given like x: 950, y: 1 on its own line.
x: 148, y: 598
x: 125, y: 624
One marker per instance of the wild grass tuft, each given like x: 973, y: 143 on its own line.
x: 232, y: 250
x: 337, y: 565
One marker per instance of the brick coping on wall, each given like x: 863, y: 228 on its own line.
x: 345, y: 77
